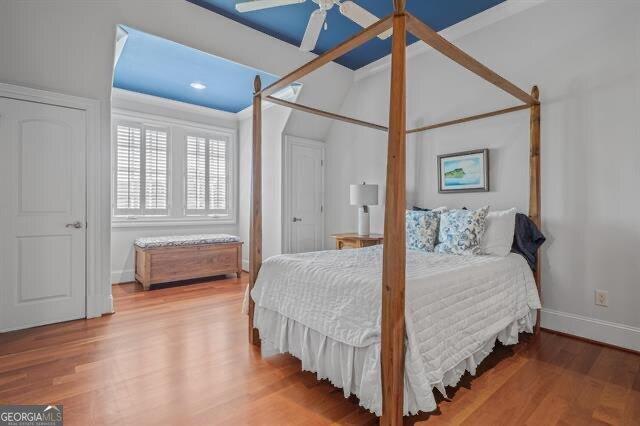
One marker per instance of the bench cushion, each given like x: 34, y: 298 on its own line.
x: 185, y: 240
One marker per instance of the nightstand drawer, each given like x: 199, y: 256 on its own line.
x: 346, y: 244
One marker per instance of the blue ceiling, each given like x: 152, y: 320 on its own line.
x: 159, y: 67
x: 288, y: 23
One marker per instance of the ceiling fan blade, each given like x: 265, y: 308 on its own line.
x: 362, y: 17
x: 249, y: 6
x: 312, y: 32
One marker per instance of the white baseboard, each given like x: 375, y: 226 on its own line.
x: 123, y: 276
x: 624, y: 336
x: 245, y: 265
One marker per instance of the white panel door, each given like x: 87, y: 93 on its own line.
x: 42, y: 214
x: 304, y: 194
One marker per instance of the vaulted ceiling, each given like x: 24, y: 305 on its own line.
x: 288, y: 23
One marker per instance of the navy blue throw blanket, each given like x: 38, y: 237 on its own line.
x: 527, y: 238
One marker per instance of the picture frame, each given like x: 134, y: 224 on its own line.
x: 466, y: 171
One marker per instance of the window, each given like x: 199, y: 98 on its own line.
x: 169, y: 171
x: 141, y: 175
x: 207, y: 171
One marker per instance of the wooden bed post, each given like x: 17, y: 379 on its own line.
x: 394, y: 252
x: 534, y: 181
x: 255, y: 232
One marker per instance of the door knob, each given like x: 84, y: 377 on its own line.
x: 297, y: 219
x: 77, y: 225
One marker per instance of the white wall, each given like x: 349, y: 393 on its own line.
x: 174, y: 115
x: 586, y: 60
x: 67, y: 46
x: 357, y: 154
x: 274, y: 120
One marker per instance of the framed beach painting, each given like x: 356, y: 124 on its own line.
x: 464, y: 171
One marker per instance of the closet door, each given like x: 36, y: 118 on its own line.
x: 42, y: 214
x: 303, y: 195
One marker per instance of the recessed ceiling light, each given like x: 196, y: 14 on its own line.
x: 198, y: 86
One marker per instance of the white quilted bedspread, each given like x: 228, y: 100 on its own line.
x: 337, y: 292
x: 454, y: 304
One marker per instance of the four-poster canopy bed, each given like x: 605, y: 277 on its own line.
x: 392, y: 356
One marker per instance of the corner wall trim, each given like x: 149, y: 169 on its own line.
x: 616, y: 334
x: 109, y: 307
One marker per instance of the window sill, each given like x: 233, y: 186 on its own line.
x: 164, y: 222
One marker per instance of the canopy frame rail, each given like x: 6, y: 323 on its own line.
x: 326, y: 114
x: 470, y: 118
x: 351, y: 120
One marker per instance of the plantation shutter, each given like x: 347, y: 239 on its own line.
x: 196, y: 175
x: 141, y: 176
x: 156, y: 194
x: 218, y: 174
x: 207, y: 175
x: 128, y: 169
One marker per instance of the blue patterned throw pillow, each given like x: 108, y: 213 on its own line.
x: 422, y: 229
x: 461, y: 230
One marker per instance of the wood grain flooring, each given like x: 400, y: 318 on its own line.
x: 179, y: 355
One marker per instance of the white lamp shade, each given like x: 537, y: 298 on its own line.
x: 363, y: 195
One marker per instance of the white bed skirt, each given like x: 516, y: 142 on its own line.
x: 357, y: 369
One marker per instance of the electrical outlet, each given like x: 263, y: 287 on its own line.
x: 602, y: 298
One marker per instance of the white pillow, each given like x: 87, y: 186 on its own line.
x: 498, y: 236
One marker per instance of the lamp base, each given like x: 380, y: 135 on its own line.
x: 363, y: 223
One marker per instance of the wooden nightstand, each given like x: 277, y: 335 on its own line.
x: 357, y: 241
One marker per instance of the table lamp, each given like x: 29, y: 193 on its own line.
x: 363, y: 195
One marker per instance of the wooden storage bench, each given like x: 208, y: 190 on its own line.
x: 185, y: 257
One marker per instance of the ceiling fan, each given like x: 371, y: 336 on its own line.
x: 348, y: 8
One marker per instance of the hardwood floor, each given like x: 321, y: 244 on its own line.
x: 179, y: 355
